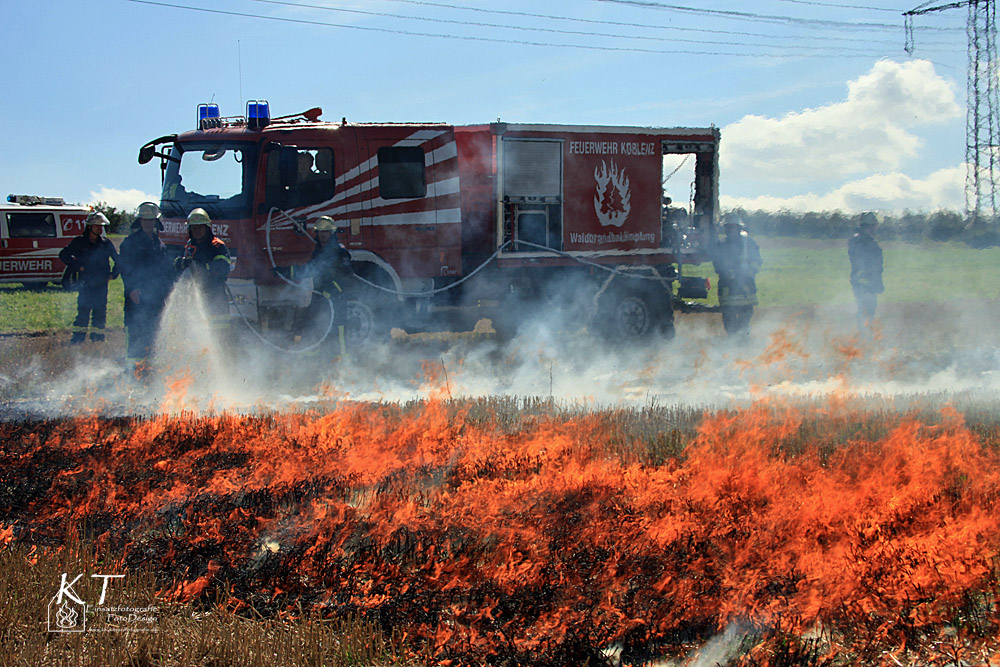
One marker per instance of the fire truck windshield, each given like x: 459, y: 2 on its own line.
x: 217, y: 176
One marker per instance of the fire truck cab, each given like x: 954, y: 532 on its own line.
x: 32, y: 232
x: 446, y: 224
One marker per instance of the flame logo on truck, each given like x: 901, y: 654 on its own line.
x: 613, y: 200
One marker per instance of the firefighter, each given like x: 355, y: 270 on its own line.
x: 736, y: 261
x: 330, y: 270
x: 673, y: 224
x: 90, y: 256
x: 866, y: 271
x: 148, y: 275
x: 207, y: 259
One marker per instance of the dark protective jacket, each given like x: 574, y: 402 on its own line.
x: 95, y: 259
x: 210, y: 263
x: 329, y: 267
x: 866, y: 263
x: 737, y: 261
x: 145, y: 266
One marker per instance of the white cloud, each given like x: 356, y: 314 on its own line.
x: 126, y: 200
x: 944, y: 189
x: 865, y: 133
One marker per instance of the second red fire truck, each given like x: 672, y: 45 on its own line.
x: 32, y: 232
x: 446, y: 224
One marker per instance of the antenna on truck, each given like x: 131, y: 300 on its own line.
x: 239, y: 65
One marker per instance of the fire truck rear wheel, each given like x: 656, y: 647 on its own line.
x: 361, y: 323
x: 35, y: 286
x: 633, y: 316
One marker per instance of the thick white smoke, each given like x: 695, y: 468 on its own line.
x: 792, y: 353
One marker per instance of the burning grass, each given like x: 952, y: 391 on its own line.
x: 502, y: 531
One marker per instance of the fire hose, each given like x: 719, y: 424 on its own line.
x: 274, y: 267
x: 613, y: 271
x: 262, y: 338
x: 560, y: 253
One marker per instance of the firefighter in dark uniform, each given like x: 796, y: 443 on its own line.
x: 736, y: 260
x: 148, y: 275
x: 866, y: 271
x: 330, y: 270
x: 90, y: 257
x: 207, y: 258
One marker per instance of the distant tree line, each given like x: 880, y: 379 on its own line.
x: 909, y: 227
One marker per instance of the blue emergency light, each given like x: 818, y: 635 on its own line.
x: 208, y: 116
x: 258, y: 114
x: 34, y: 200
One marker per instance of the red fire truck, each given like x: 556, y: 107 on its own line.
x: 446, y: 224
x: 32, y: 232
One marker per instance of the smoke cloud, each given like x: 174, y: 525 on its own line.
x: 791, y: 354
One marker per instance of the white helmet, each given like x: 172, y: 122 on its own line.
x: 198, y: 217
x: 148, y: 210
x: 325, y: 224
x: 96, y: 218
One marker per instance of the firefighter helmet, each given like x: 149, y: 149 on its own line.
x: 733, y: 219
x: 198, y: 217
x: 96, y: 218
x: 325, y: 224
x: 868, y: 219
x: 148, y: 210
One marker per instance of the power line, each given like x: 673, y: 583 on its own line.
x: 768, y: 18
x: 626, y: 24
x: 926, y: 9
x: 592, y: 47
x: 288, y: 3
x: 492, y: 25
x: 831, y: 4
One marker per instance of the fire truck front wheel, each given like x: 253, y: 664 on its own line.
x: 634, y: 316
x: 361, y: 323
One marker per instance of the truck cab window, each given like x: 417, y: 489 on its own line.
x: 298, y: 176
x: 401, y: 172
x: 31, y: 225
x: 216, y: 176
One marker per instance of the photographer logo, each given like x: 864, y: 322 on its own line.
x: 68, y: 610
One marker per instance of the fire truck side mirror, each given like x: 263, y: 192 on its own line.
x: 148, y: 151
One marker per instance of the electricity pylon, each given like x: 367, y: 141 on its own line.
x: 982, y: 126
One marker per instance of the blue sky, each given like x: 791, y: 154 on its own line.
x: 820, y: 107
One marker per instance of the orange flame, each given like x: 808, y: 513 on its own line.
x: 485, y: 537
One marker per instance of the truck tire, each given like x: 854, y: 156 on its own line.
x: 361, y: 323
x: 634, y: 315
x: 371, y: 312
